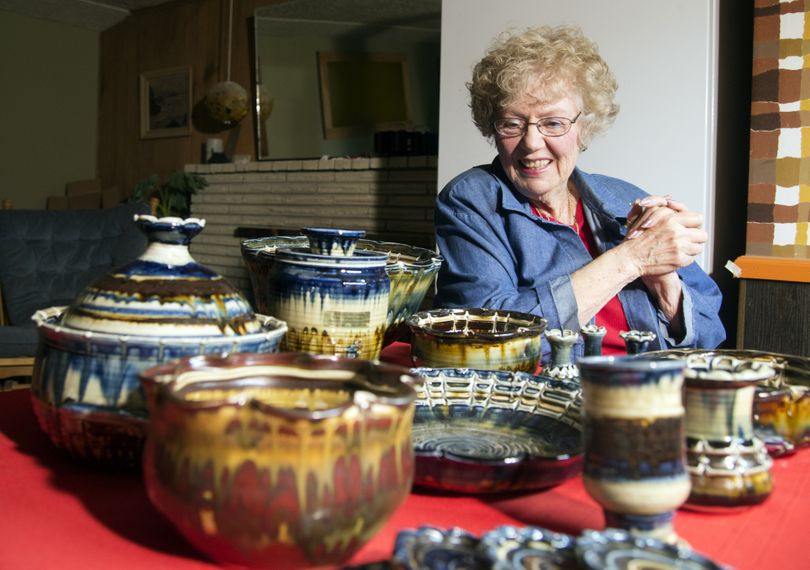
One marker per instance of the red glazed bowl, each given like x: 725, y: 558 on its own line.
x: 278, y: 461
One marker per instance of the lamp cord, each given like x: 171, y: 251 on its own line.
x: 230, y: 31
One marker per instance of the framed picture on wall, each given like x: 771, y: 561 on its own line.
x: 363, y: 93
x: 165, y: 98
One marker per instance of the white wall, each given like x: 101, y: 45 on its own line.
x: 49, y: 102
x: 664, y: 57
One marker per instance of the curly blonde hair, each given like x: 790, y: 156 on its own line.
x: 558, y: 60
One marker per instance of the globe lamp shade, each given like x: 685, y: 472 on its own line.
x: 227, y: 102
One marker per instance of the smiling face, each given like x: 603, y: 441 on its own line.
x: 539, y: 166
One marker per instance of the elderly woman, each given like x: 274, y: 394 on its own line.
x: 531, y: 232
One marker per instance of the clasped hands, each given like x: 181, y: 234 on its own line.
x: 663, y: 235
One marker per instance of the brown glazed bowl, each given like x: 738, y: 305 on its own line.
x: 278, y: 461
x: 485, y: 339
x: 781, y: 403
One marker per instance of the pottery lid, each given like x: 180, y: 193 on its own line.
x: 164, y: 292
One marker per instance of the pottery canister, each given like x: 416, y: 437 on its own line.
x: 728, y: 463
x: 332, y: 304
x: 162, y: 306
x: 633, y: 439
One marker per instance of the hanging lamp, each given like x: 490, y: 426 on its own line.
x: 227, y: 101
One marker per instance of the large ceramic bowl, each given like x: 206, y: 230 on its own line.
x: 410, y: 269
x: 781, y: 403
x: 162, y: 306
x: 486, y: 339
x: 484, y: 431
x: 288, y: 460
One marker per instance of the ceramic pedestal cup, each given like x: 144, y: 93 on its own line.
x: 729, y: 465
x: 633, y: 439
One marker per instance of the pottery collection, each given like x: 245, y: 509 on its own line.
x: 281, y: 460
x: 162, y: 306
x: 276, y: 438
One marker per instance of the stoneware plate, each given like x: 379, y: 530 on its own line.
x: 482, y: 431
x: 614, y: 549
x: 510, y: 547
x: 431, y: 548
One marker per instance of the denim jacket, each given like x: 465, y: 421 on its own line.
x: 499, y: 255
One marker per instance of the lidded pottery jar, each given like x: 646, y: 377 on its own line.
x: 162, y: 306
x: 729, y: 465
x: 278, y: 461
x: 334, y: 298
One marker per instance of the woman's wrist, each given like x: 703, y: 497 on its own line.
x: 667, y: 292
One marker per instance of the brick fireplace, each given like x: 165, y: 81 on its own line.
x: 392, y: 198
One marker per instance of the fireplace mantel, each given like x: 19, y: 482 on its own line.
x: 392, y: 198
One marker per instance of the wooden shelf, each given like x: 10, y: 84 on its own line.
x: 774, y: 268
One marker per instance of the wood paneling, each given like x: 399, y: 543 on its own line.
x: 183, y: 33
x: 773, y: 316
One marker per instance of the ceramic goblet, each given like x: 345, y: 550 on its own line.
x: 633, y: 430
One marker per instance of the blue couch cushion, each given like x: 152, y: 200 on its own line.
x: 48, y: 256
x: 19, y: 340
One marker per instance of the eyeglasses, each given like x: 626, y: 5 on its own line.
x: 547, y: 126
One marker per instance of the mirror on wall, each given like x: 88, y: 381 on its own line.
x: 347, y: 78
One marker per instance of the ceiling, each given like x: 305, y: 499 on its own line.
x: 425, y: 14
x: 99, y: 15
x: 89, y: 14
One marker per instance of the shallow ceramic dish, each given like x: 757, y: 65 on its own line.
x: 278, y: 460
x: 486, y: 339
x: 504, y: 548
x: 614, y: 549
x: 432, y: 548
x: 781, y: 403
x: 411, y: 271
x: 510, y: 547
x: 483, y: 431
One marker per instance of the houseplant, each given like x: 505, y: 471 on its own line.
x: 173, y: 194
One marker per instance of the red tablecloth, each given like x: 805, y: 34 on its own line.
x: 57, y: 513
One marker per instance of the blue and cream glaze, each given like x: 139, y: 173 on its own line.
x: 331, y: 304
